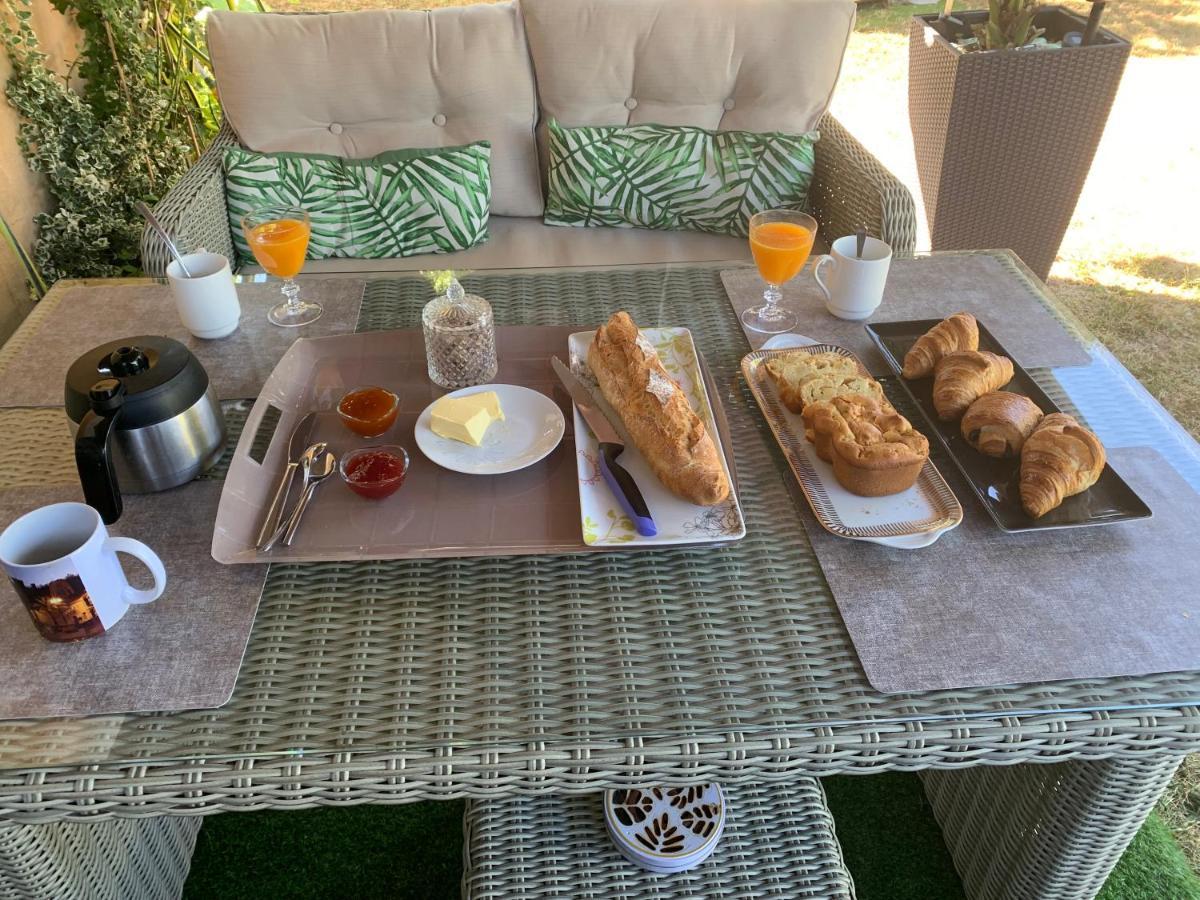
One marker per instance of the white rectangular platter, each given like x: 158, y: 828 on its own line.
x: 909, y: 520
x: 678, y: 522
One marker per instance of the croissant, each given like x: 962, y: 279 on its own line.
x: 997, y: 424
x: 964, y: 376
x: 1060, y: 459
x: 959, y: 332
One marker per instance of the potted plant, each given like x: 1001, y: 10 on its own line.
x: 1006, y: 107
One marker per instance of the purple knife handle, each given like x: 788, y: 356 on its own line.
x: 625, y: 489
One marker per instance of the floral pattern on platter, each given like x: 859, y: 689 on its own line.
x: 618, y: 530
x: 604, y: 523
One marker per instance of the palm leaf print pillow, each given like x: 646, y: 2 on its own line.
x: 399, y: 203
x: 674, y: 177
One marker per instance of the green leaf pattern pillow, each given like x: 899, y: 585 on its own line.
x: 399, y: 203
x: 673, y: 177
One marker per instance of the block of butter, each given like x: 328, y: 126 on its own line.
x: 466, y: 418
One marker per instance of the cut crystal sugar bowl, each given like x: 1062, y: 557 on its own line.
x: 460, y: 338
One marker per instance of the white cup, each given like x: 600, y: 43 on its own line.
x: 64, y: 567
x: 208, y: 301
x: 855, y: 287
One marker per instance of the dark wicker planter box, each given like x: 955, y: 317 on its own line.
x: 1004, y: 139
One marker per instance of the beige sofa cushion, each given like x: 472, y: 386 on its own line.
x: 749, y: 65
x: 527, y: 243
x: 357, y: 84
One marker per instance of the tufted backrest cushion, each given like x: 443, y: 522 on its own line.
x: 746, y: 65
x: 358, y: 84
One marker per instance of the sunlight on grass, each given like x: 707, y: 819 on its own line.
x: 1156, y: 28
x: 1147, y: 310
x: 1180, y: 809
x: 1161, y: 276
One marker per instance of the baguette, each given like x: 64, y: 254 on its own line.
x: 656, y: 414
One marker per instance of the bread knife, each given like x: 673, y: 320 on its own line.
x: 618, y: 479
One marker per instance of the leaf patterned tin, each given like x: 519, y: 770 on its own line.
x: 666, y: 829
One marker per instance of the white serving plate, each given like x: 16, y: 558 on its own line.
x: 907, y: 521
x: 679, y: 522
x: 532, y: 427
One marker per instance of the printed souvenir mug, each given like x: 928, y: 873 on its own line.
x: 855, y: 286
x: 65, y: 569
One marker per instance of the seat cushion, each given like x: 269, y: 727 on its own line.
x: 767, y: 65
x: 527, y: 243
x: 361, y: 83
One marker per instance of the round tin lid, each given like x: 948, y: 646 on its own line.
x: 161, y: 377
x: 665, y: 829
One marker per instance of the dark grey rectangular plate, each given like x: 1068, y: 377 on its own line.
x: 995, y: 481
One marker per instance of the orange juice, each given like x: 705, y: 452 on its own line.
x: 780, y: 250
x: 280, y: 246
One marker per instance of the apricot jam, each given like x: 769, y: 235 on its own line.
x: 369, y: 411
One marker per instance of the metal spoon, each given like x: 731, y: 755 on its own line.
x: 322, y: 469
x: 861, y: 236
x: 308, y: 463
x: 162, y: 233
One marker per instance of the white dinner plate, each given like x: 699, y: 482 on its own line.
x: 533, y: 426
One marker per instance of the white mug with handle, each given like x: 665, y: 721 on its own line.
x: 207, y: 302
x: 65, y: 569
x: 854, y: 289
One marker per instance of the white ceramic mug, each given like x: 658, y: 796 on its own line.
x: 855, y: 286
x: 64, y: 566
x: 207, y: 302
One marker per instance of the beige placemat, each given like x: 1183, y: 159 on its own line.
x: 988, y: 286
x: 981, y: 607
x: 238, y: 365
x: 182, y: 651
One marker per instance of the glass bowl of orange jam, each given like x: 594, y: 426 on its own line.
x: 369, y: 411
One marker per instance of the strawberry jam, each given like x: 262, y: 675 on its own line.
x: 375, y: 472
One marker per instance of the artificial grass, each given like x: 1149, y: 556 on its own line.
x: 364, y: 852
x: 1153, y: 868
x: 891, y: 842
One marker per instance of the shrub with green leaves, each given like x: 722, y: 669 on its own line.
x: 123, y: 125
x: 1009, y: 24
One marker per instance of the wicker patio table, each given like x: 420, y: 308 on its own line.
x: 391, y: 682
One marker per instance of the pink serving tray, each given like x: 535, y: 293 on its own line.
x: 437, y: 512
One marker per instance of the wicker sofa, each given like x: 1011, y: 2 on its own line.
x: 340, y: 84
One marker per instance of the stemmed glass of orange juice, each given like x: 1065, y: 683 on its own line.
x: 780, y: 240
x: 278, y: 237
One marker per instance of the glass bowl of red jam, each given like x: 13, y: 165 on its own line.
x: 369, y: 411
x: 374, y: 472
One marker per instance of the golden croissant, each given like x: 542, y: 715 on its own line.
x: 997, y: 424
x: 959, y: 332
x: 1060, y: 459
x: 964, y: 376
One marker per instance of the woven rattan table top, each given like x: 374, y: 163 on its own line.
x: 546, y: 663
